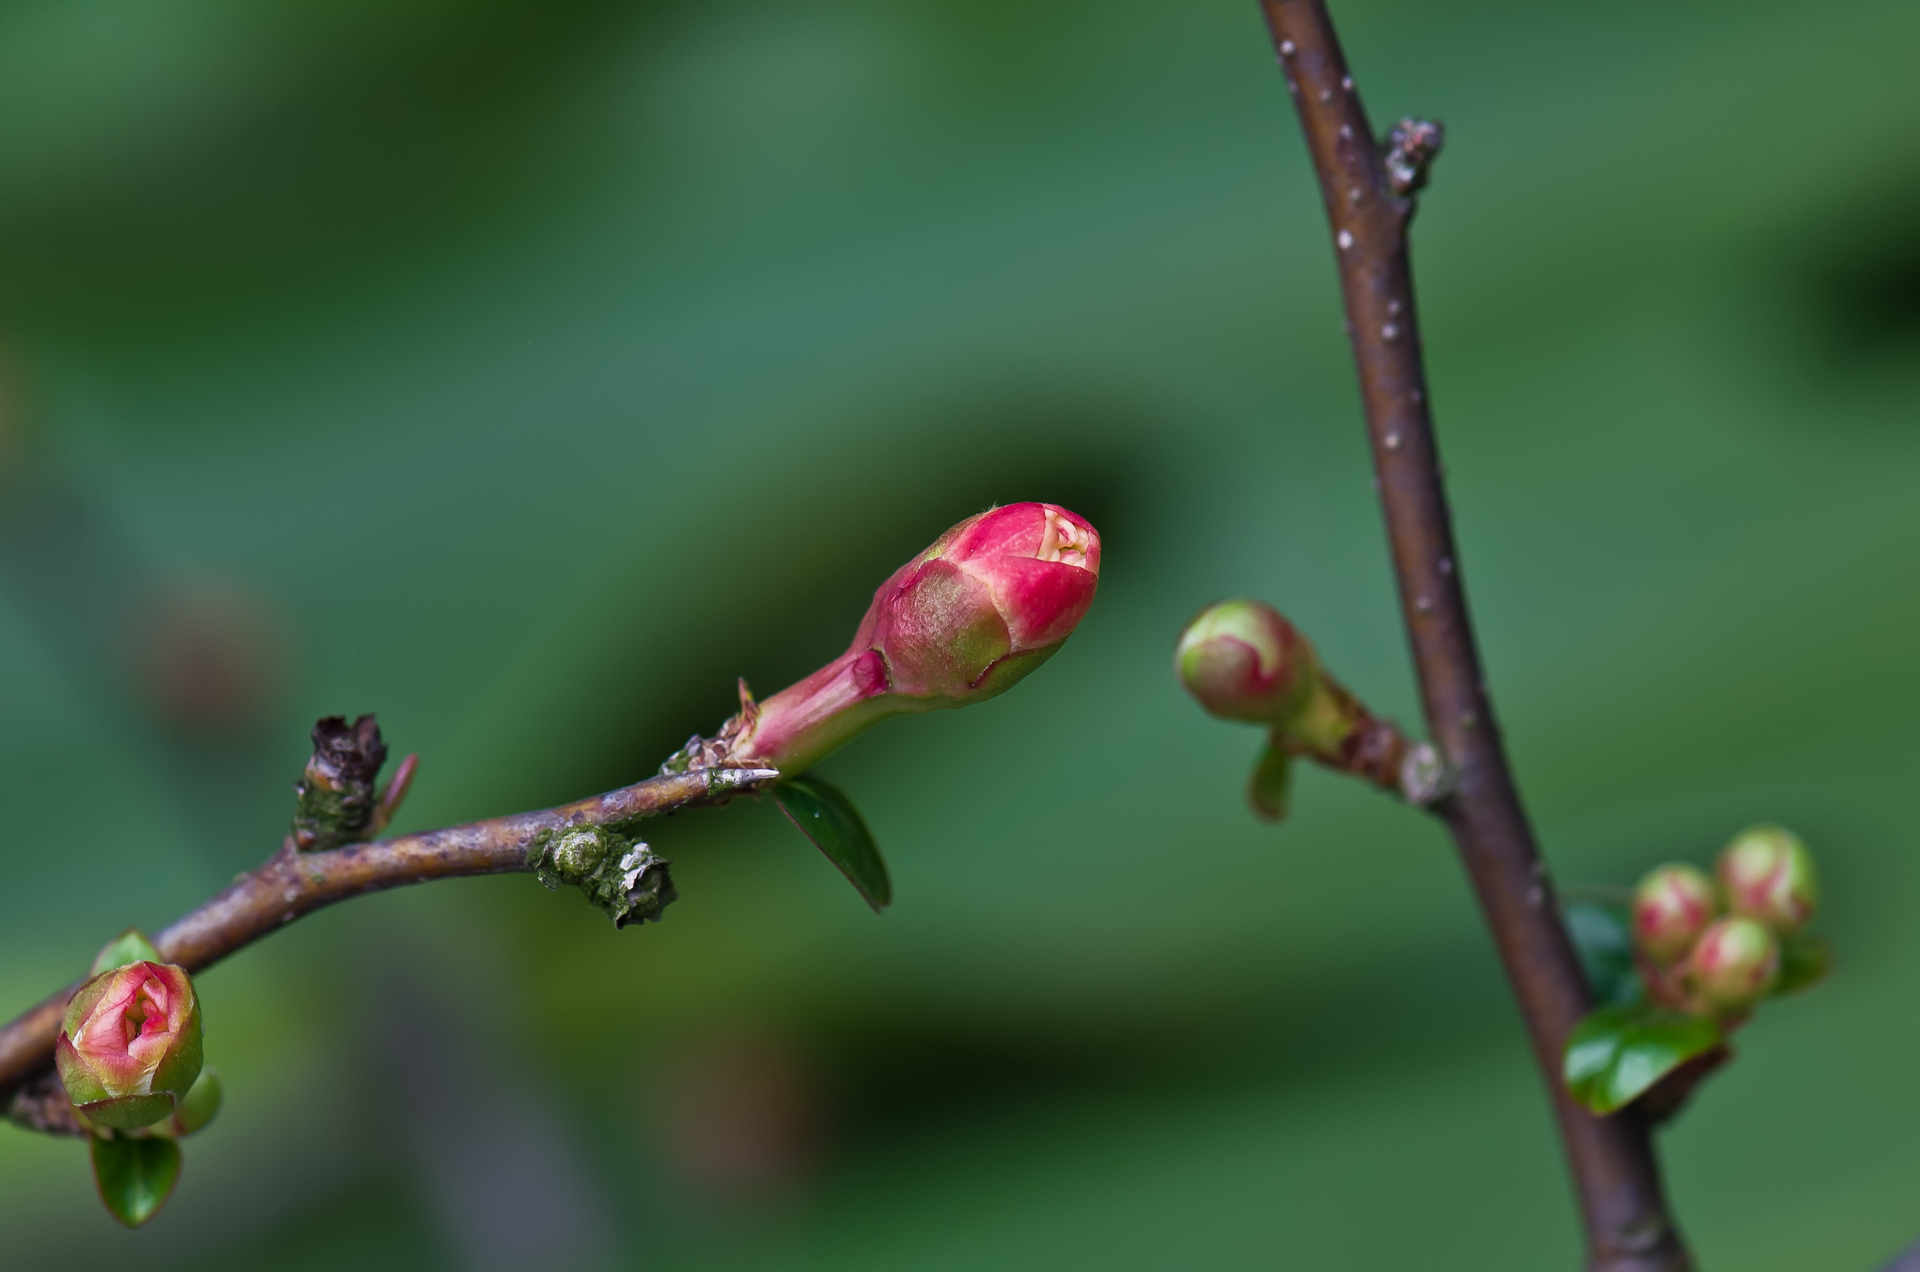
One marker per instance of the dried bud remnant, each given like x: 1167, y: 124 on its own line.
x: 1671, y: 908
x: 1769, y: 876
x: 1412, y: 146
x: 621, y: 876
x: 336, y: 796
x: 129, y: 1047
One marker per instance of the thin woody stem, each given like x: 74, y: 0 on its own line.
x: 1368, y: 208
x: 294, y: 883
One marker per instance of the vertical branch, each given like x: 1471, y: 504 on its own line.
x: 1368, y: 209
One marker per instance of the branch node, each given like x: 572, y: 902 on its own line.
x: 621, y: 876
x: 42, y: 1105
x: 1412, y: 146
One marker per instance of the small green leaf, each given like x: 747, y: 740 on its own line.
x: 128, y: 947
x: 1805, y: 961
x: 135, y: 1174
x: 1270, y: 787
x: 830, y: 820
x: 1616, y: 1053
x: 1603, y: 937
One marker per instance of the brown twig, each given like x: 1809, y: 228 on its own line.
x: 293, y: 883
x: 1368, y: 202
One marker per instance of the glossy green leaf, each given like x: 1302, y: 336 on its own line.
x: 1805, y: 961
x: 135, y: 1174
x: 1602, y: 934
x: 835, y: 826
x: 1616, y: 1053
x: 131, y: 946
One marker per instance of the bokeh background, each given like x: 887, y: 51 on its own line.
x: 525, y: 371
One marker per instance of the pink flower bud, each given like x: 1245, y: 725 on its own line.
x: 1671, y: 907
x: 129, y: 1048
x: 1244, y: 661
x: 992, y: 599
x: 1769, y: 876
x: 1733, y: 965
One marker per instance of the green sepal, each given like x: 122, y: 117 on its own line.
x: 181, y: 1067
x: 135, y: 1174
x: 1270, y: 788
x: 828, y: 818
x: 82, y: 1085
x: 1615, y: 1054
x: 197, y: 1107
x: 1602, y: 933
x: 1805, y: 961
x: 131, y: 946
x: 129, y: 1112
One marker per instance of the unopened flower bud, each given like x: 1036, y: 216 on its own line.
x: 992, y: 599
x: 129, y: 1047
x: 1733, y: 964
x: 1769, y: 876
x: 1244, y: 661
x: 1671, y: 907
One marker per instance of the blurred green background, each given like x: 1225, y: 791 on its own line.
x: 524, y: 372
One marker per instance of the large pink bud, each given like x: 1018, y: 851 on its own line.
x: 992, y: 599
x: 1671, y: 907
x: 129, y: 1047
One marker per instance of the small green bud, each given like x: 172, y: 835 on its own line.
x: 1733, y: 965
x: 1244, y: 661
x: 1671, y: 907
x: 1769, y: 876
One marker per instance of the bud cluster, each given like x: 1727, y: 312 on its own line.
x: 1714, y: 946
x: 1242, y: 660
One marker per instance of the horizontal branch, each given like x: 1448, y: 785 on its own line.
x: 294, y: 883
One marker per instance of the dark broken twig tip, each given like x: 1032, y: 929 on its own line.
x: 1412, y: 146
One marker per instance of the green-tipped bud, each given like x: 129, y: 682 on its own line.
x: 1769, y: 876
x: 129, y: 1047
x: 1671, y: 907
x: 1733, y: 965
x: 1243, y: 660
